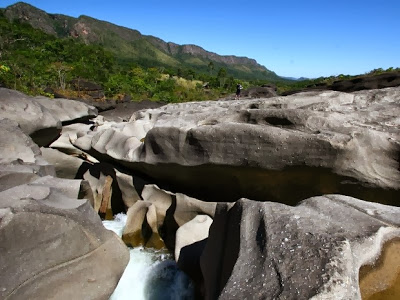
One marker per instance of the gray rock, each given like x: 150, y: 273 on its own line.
x: 192, y: 232
x: 67, y: 111
x: 312, y: 143
x: 15, y: 144
x: 66, y: 166
x: 173, y: 211
x: 54, y: 245
x: 41, y: 117
x: 315, y: 250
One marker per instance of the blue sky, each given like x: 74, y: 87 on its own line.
x: 292, y: 38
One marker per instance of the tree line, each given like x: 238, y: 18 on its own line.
x: 32, y: 61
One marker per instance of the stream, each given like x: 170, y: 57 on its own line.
x: 150, y: 274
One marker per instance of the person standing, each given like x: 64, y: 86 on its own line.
x: 238, y: 90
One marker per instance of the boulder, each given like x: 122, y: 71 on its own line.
x: 66, y: 166
x: 34, y: 119
x: 306, y: 144
x: 41, y: 117
x: 266, y: 250
x: 16, y: 145
x: 67, y: 111
x: 191, y: 239
x: 54, y: 245
x: 192, y: 232
x: 18, y: 173
x: 141, y: 226
x: 112, y: 189
x: 174, y: 210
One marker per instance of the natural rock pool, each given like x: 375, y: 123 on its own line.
x: 150, y: 274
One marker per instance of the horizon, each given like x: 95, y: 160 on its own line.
x: 309, y: 40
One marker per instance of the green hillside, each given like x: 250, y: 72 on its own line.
x: 130, y: 46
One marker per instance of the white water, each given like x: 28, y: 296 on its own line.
x: 150, y: 274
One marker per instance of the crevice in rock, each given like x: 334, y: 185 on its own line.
x: 278, y: 121
x: 169, y: 227
x: 261, y: 237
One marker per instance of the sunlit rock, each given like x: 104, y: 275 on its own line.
x: 312, y: 251
x: 41, y: 117
x: 283, y: 149
x: 174, y: 210
x: 53, y: 245
x: 192, y: 232
x: 141, y: 226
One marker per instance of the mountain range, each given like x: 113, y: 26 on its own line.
x: 130, y: 46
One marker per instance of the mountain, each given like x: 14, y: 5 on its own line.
x: 129, y: 45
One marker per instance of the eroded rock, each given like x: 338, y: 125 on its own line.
x: 174, y: 210
x: 54, y: 245
x: 312, y: 143
x: 41, y: 118
x: 312, y: 251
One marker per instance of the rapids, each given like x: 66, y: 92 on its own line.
x: 150, y: 274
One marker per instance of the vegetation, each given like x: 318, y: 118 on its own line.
x: 294, y: 85
x: 32, y: 61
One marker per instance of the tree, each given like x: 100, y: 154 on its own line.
x: 210, y: 67
x: 222, y: 77
x: 61, y: 69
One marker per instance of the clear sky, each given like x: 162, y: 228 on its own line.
x: 306, y: 38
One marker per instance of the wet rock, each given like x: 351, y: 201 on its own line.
x: 141, y: 226
x: 269, y: 250
x: 174, y: 210
x: 109, y: 186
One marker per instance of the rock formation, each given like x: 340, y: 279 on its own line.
x: 265, y: 250
x: 281, y: 149
x: 53, y: 244
x: 41, y: 118
x: 277, y: 151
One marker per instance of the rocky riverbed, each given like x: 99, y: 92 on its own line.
x: 288, y: 197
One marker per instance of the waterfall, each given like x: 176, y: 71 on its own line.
x: 150, y: 274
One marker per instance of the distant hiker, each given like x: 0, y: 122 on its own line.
x: 238, y: 89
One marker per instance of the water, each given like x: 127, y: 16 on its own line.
x: 150, y: 274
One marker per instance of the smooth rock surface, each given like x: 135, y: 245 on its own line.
x: 52, y: 243
x: 174, y: 210
x: 312, y: 251
x: 41, y: 117
x: 55, y: 246
x: 312, y: 143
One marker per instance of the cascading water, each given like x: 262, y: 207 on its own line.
x: 150, y: 274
